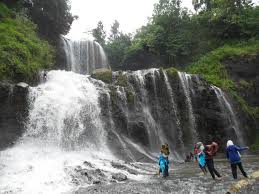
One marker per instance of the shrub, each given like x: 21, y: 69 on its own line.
x: 22, y: 52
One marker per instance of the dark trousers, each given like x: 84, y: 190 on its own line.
x: 212, y: 170
x: 234, y: 169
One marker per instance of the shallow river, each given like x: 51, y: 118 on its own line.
x: 27, y: 168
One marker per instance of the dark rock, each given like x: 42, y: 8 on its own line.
x: 88, y: 164
x: 96, y: 182
x: 245, y: 68
x: 119, y: 177
x: 13, y: 112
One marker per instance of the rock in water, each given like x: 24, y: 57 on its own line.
x: 119, y: 177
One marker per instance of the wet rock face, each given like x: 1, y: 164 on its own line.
x: 13, y: 112
x: 167, y: 108
x: 245, y: 72
x: 245, y: 69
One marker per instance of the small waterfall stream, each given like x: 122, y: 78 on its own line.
x: 185, y: 82
x: 228, y: 110
x: 84, y: 56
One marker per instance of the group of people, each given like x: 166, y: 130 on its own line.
x: 204, y: 155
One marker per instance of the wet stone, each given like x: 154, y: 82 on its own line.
x: 96, y: 182
x: 88, y: 164
x: 119, y: 177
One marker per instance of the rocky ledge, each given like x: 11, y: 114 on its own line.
x: 13, y: 111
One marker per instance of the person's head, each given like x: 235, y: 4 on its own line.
x: 229, y: 143
x: 202, y: 147
x: 162, y: 148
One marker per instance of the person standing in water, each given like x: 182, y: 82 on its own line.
x: 163, y: 160
x: 210, y: 151
x: 233, y: 155
x: 201, y: 157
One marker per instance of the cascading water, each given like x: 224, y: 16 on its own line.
x: 185, y: 82
x: 175, y: 109
x: 228, y: 110
x: 74, y: 118
x: 65, y: 110
x: 84, y: 56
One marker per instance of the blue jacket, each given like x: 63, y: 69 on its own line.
x: 202, y: 161
x: 232, y: 153
x: 163, y: 162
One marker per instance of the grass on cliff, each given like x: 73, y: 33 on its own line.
x: 255, y: 146
x: 211, y: 68
x: 104, y: 75
x: 22, y: 52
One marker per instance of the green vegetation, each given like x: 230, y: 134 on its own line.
x: 177, y: 36
x: 255, y: 146
x: 53, y: 18
x: 211, y: 68
x: 103, y: 75
x: 172, y: 72
x: 22, y: 52
x: 244, y: 84
x: 121, y: 79
x: 130, y: 96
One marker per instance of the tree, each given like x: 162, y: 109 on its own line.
x: 99, y: 33
x: 116, y: 49
x: 53, y: 18
x: 114, y: 30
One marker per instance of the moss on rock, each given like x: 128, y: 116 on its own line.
x: 103, y: 75
x: 172, y: 72
x: 130, y: 96
x: 121, y: 79
x: 210, y: 67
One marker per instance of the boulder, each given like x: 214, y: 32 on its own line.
x: 119, y: 177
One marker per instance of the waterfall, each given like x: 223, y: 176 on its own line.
x: 153, y: 131
x: 84, y: 56
x: 175, y: 109
x: 185, y: 80
x: 226, y: 107
x: 65, y: 111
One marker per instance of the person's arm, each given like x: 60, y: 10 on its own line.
x: 227, y: 154
x: 241, y: 148
x: 209, y: 152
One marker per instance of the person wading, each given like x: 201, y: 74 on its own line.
x: 210, y: 151
x: 201, y: 157
x: 233, y: 155
x: 163, y: 160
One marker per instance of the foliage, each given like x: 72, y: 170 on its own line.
x: 99, y: 34
x: 53, y: 18
x: 168, y: 34
x: 214, y: 72
x: 244, y: 84
x: 121, y: 79
x: 22, y: 53
x: 210, y: 65
x: 114, y: 31
x: 255, y: 146
x: 130, y: 96
x: 117, y: 48
x: 172, y: 72
x: 104, y: 75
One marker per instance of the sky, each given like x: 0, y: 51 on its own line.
x: 131, y: 14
